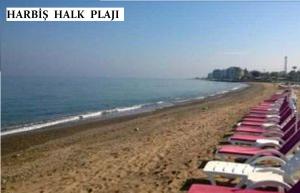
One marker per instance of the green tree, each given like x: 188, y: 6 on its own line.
x: 274, y: 76
x: 255, y: 74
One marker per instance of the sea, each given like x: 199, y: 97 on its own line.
x: 30, y: 103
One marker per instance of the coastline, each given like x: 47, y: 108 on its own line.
x: 68, y: 128
x: 102, y: 114
x: 154, y: 152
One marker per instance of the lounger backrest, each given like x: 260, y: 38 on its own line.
x: 289, y: 124
x: 289, y: 133
x: 285, y: 115
x: 284, y: 108
x: 283, y: 105
x: 295, y: 188
x: 289, y: 129
x: 290, y: 143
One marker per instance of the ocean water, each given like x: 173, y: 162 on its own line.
x: 36, y: 102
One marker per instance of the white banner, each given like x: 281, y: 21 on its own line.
x: 64, y: 14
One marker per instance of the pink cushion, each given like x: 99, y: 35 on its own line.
x: 253, y: 115
x: 256, y: 119
x: 251, y: 138
x: 240, y: 150
x: 202, y: 188
x: 258, y: 113
x: 252, y: 123
x: 250, y: 129
x: 261, y: 108
x: 256, y: 116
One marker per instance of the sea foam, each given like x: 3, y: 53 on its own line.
x: 35, y: 126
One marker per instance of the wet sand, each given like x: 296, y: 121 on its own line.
x: 151, y: 152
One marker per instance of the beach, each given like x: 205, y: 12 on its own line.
x: 151, y: 152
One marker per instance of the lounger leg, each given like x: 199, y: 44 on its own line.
x: 281, y: 189
x: 242, y: 182
x: 211, y: 179
x: 220, y: 156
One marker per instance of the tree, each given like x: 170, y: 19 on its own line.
x: 274, y: 76
x: 297, y: 76
x: 255, y: 73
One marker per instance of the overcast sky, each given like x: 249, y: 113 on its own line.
x: 157, y: 39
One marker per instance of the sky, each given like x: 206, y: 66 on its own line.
x: 156, y: 40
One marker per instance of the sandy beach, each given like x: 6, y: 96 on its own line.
x: 153, y: 152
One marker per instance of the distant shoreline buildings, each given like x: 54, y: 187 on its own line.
x: 237, y: 74
x: 230, y: 74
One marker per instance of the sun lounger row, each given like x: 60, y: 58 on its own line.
x: 267, y: 140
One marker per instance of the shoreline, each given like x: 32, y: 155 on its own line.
x: 152, y: 152
x: 77, y: 125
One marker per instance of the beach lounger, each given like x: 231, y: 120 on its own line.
x: 277, y: 135
x: 259, y: 129
x: 272, y: 117
x: 259, y: 124
x: 265, y: 109
x: 279, y: 107
x: 264, y: 125
x: 262, y: 111
x: 261, y: 119
x: 257, y: 121
x: 266, y: 117
x: 260, y: 140
x: 202, y: 188
x: 248, y: 126
x: 276, y: 105
x: 251, y: 153
x: 250, y: 173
